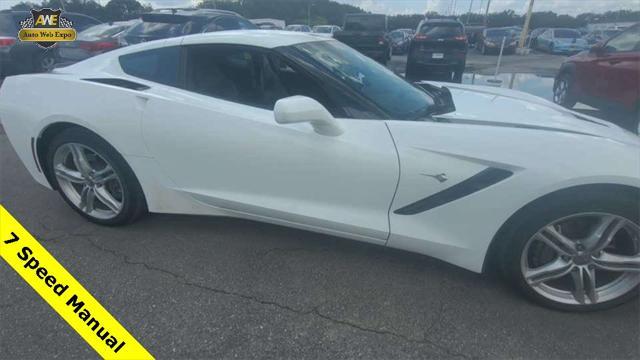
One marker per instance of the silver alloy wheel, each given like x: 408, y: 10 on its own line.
x: 47, y: 63
x: 586, y: 258
x: 560, y: 91
x: 88, y: 181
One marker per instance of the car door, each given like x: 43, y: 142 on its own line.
x: 616, y: 70
x: 216, y: 139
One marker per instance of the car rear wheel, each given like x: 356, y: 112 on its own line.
x: 563, y: 93
x: 577, y: 254
x: 94, y: 179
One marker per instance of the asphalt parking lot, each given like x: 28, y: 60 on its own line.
x: 203, y: 287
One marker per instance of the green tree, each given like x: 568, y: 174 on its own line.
x: 117, y: 10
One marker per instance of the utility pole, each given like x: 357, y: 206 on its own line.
x: 486, y: 12
x: 525, y: 29
x: 309, y: 13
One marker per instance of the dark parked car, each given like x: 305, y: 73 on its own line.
x: 366, y: 33
x: 163, y: 24
x: 93, y: 41
x: 606, y: 77
x: 490, y: 40
x: 17, y: 57
x: 400, y: 41
x: 438, y: 48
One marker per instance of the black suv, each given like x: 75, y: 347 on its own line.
x: 366, y: 33
x: 168, y: 23
x: 438, y: 48
x: 17, y: 57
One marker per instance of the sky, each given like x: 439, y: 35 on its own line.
x: 392, y: 7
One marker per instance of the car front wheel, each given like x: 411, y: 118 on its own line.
x: 577, y: 254
x: 94, y: 179
x: 563, y: 93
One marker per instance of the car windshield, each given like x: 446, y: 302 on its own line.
x: 365, y: 23
x: 441, y: 30
x: 322, y: 29
x: 397, y: 35
x: 566, y: 34
x: 101, y: 31
x: 393, y: 95
x: 157, y: 29
x: 610, y: 33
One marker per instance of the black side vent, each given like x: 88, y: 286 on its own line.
x: 477, y: 182
x: 120, y: 83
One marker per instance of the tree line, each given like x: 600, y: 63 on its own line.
x: 320, y: 12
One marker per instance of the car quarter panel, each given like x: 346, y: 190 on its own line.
x: 542, y: 161
x: 31, y: 103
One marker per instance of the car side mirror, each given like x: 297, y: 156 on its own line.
x: 299, y: 109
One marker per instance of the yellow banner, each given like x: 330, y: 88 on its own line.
x: 65, y: 295
x: 44, y: 34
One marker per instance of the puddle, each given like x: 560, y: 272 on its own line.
x: 530, y: 83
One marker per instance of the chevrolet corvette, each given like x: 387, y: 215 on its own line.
x: 302, y: 131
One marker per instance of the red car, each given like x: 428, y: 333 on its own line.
x: 606, y: 77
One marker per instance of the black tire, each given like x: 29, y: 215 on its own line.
x: 514, y: 237
x: 133, y: 204
x: 457, y: 75
x: 569, y: 100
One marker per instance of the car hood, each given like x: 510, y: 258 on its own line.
x: 492, y: 106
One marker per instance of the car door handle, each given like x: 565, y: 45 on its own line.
x: 613, y: 62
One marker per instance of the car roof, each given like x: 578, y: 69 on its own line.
x: 194, y: 12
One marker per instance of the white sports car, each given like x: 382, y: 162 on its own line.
x: 305, y: 132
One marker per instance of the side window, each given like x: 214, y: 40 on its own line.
x: 247, y: 76
x: 157, y: 65
x: 626, y: 41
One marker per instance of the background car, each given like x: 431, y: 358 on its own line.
x: 162, y: 24
x: 561, y: 41
x: 93, y: 41
x: 325, y: 30
x: 490, y: 41
x: 409, y: 32
x: 597, y: 36
x: 473, y: 33
x: 298, y: 28
x: 439, y: 48
x: 400, y: 41
x: 606, y: 77
x: 367, y: 33
x: 18, y: 57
